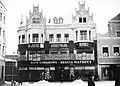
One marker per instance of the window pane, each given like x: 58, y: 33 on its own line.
x: 116, y: 49
x: 51, y: 38
x: 58, y: 37
x: 83, y: 35
x: 35, y: 37
x: 105, y: 49
x: 118, y: 34
x: 80, y: 20
x: 66, y: 36
x: 84, y: 20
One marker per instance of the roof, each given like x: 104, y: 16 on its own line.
x: 116, y: 17
x: 3, y: 5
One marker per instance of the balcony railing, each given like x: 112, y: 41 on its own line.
x: 38, y: 57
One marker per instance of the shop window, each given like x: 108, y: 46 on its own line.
x: 76, y: 35
x: 84, y: 20
x: 105, y: 51
x: 118, y: 33
x: 51, y: 37
x: 23, y: 38
x: 80, y: 20
x: 58, y: 37
x: 0, y: 16
x: 83, y: 35
x: 116, y: 51
x: 35, y: 37
x: 66, y: 36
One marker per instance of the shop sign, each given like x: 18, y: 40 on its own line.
x: 54, y: 62
x: 59, y: 45
x: 35, y: 45
x: 84, y: 44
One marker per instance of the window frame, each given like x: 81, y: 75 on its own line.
x: 108, y: 50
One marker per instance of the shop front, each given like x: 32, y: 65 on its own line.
x: 108, y: 68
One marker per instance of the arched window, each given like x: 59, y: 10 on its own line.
x: 55, y: 20
x: 60, y: 20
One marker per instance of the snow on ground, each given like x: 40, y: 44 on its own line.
x: 75, y: 83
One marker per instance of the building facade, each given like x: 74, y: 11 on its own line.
x: 109, y: 50
x: 11, y: 67
x: 56, y: 51
x: 2, y: 41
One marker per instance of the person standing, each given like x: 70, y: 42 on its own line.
x: 91, y: 80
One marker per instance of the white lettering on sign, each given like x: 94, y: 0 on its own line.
x: 59, y: 45
x: 83, y: 44
x: 34, y: 45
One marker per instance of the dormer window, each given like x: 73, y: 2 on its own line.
x: 60, y: 20
x: 55, y: 20
x: 35, y: 20
x: 80, y: 20
x: 84, y: 20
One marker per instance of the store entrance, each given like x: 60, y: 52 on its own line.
x: 62, y: 74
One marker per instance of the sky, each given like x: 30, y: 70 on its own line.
x: 103, y: 11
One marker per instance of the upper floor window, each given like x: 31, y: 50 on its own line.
x: 66, y: 36
x: 35, y: 37
x: 83, y: 35
x: 58, y: 38
x: 51, y: 37
x: 4, y: 20
x: 76, y: 35
x: 60, y: 20
x: 0, y: 31
x: 29, y: 38
x: 19, y: 39
x: 0, y: 16
x: 80, y: 20
x: 23, y: 38
x: 3, y: 34
x: 116, y: 51
x: 41, y: 37
x: 55, y: 20
x: 105, y: 51
x: 89, y: 35
x: 118, y: 33
x: 36, y: 20
x: 84, y: 19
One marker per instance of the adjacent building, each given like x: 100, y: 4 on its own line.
x: 109, y: 50
x: 2, y: 40
x: 56, y: 51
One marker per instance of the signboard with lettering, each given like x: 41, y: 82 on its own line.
x: 84, y: 44
x: 59, y: 45
x: 35, y: 45
x: 54, y: 63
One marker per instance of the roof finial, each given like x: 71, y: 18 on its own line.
x: 21, y: 19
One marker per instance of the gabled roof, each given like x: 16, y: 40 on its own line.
x: 116, y: 17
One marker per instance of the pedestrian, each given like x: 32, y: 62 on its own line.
x: 91, y: 80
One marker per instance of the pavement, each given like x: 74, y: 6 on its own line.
x: 9, y: 84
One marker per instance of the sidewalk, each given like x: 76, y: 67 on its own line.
x: 9, y: 84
